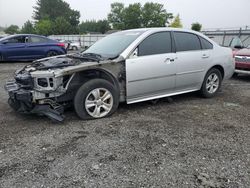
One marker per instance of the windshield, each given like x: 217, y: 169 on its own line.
x: 112, y: 45
x: 5, y: 38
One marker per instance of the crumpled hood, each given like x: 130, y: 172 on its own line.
x: 56, y: 62
x: 53, y: 63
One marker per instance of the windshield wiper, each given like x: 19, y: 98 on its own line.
x: 91, y: 55
x: 86, y: 57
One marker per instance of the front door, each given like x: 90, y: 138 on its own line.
x: 151, y: 69
x: 15, y: 48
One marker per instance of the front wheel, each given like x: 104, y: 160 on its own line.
x: 96, y: 98
x: 211, y: 83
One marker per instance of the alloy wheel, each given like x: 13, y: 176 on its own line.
x: 212, y: 83
x: 99, y: 102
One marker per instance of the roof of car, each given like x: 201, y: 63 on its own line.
x: 155, y: 29
x: 16, y: 35
x: 27, y: 35
x: 161, y: 29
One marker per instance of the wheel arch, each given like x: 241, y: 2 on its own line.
x: 220, y: 68
x: 85, y: 75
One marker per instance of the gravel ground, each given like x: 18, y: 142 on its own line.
x: 187, y: 142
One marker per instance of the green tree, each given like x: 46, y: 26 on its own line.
x: 2, y: 28
x: 176, y: 22
x: 101, y: 26
x: 61, y: 26
x: 28, y: 28
x: 12, y: 29
x: 44, y: 27
x: 154, y: 15
x: 136, y: 16
x: 51, y: 10
x: 196, y: 26
x: 132, y: 16
x: 116, y: 16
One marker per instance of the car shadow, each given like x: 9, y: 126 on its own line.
x: 242, y: 77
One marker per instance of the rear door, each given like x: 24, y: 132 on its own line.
x: 150, y: 71
x: 191, y: 62
x: 37, y: 46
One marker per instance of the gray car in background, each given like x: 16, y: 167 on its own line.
x: 128, y: 66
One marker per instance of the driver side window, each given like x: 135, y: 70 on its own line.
x: 19, y: 39
x: 157, y: 43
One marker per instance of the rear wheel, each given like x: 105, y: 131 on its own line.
x: 74, y: 48
x: 52, y: 53
x: 96, y: 98
x: 211, y: 83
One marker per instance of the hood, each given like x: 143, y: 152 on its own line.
x: 53, y: 63
x: 244, y: 52
x: 59, y: 62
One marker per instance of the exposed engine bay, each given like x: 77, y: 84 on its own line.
x: 48, y: 86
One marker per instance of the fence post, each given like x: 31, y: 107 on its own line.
x: 223, y: 40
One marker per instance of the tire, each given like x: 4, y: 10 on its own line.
x: 93, y: 92
x: 74, y: 48
x: 52, y: 53
x: 235, y: 74
x: 212, y: 83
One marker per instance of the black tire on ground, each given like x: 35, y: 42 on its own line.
x: 74, y: 48
x: 204, y: 90
x: 84, y: 92
x: 51, y: 53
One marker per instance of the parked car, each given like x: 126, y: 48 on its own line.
x: 236, y: 44
x: 242, y: 61
x: 128, y: 66
x: 75, y: 46
x: 66, y: 43
x: 29, y: 47
x: 70, y: 45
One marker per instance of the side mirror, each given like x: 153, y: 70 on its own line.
x: 238, y: 46
x: 5, y: 42
x: 134, y: 54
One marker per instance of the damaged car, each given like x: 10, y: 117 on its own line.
x: 128, y: 66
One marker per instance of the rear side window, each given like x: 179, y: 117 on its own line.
x: 158, y: 43
x: 206, y: 44
x: 186, y: 41
x: 38, y: 40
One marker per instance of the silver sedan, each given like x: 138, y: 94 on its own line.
x: 128, y: 66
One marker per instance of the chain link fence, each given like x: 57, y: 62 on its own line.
x: 221, y: 36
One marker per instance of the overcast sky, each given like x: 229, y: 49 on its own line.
x: 210, y: 13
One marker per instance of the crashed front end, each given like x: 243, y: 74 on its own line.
x: 36, y: 87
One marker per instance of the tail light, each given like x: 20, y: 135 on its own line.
x: 61, y: 45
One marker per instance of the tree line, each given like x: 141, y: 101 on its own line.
x: 57, y: 17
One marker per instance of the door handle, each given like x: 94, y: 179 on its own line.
x: 169, y: 60
x: 204, y: 56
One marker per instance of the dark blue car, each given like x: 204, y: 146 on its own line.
x: 29, y: 47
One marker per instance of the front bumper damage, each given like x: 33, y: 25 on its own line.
x: 21, y: 100
x: 48, y: 86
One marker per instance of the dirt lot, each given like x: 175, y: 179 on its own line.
x: 189, y: 142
